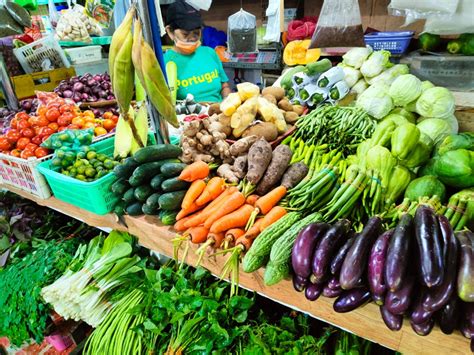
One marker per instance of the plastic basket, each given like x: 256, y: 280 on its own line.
x: 395, y: 42
x: 32, y: 56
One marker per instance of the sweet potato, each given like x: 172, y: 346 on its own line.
x: 285, y: 105
x: 240, y: 166
x: 281, y: 157
x: 298, y: 109
x: 225, y: 171
x: 294, y: 174
x: 291, y: 117
x: 276, y: 92
x: 259, y: 157
x: 242, y: 146
x: 214, y: 109
x: 266, y: 130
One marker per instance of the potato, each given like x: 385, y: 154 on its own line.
x: 271, y: 99
x: 298, y: 109
x: 266, y: 130
x: 285, y: 105
x: 214, y: 108
x: 291, y: 117
x: 276, y: 92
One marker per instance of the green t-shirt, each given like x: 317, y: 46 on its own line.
x: 200, y: 74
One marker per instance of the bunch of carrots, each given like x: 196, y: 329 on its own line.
x: 218, y: 215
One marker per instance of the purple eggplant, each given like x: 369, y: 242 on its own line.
x: 448, y: 316
x: 338, y: 259
x: 313, y: 291
x: 437, y: 297
x: 334, y: 283
x: 468, y: 315
x: 423, y: 329
x: 355, y: 262
x: 377, y: 260
x: 352, y: 299
x: 331, y: 293
x: 418, y: 314
x: 465, y: 279
x: 428, y: 237
x: 399, y: 301
x: 392, y: 321
x: 303, y: 249
x: 299, y: 283
x: 398, y: 253
x: 329, y: 243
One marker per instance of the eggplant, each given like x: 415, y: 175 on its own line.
x: 329, y: 243
x: 338, y: 259
x: 392, y: 321
x: 303, y: 249
x: 423, y: 329
x: 377, y: 260
x: 465, y: 279
x: 448, y: 316
x: 399, y: 301
x: 468, y: 312
x: 398, y: 253
x: 331, y: 293
x: 355, y: 262
x: 418, y: 314
x: 313, y: 291
x: 334, y: 283
x: 430, y: 250
x: 352, y: 299
x: 437, y: 297
x: 299, y: 283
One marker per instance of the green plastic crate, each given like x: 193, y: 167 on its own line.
x: 92, y: 196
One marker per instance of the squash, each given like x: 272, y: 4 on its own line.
x: 297, y: 52
x: 428, y: 186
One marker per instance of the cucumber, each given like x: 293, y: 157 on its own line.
x: 174, y: 184
x: 156, y: 182
x: 126, y: 169
x: 148, y: 210
x: 157, y: 152
x: 152, y: 201
x: 171, y: 200
x: 168, y: 218
x: 142, y: 192
x: 119, y: 208
x: 129, y: 196
x: 172, y: 169
x: 318, y: 67
x: 119, y: 187
x: 135, y: 209
x: 145, y: 172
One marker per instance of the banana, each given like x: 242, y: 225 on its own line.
x: 119, y: 38
x: 141, y: 122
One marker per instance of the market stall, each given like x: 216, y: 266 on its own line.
x: 341, y: 188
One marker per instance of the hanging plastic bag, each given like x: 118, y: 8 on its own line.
x: 462, y: 21
x: 242, y: 32
x: 422, y: 9
x: 53, y: 13
x: 339, y: 25
x: 8, y: 25
x: 101, y: 11
x: 18, y: 13
x: 91, y: 25
x: 273, y: 24
x: 200, y: 4
x: 71, y: 28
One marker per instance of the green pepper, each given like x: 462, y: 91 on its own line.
x: 298, y: 80
x: 317, y: 98
x: 304, y: 94
x: 454, y: 46
x: 291, y: 93
x: 323, y: 82
x: 334, y: 94
x: 383, y: 133
x: 404, y: 140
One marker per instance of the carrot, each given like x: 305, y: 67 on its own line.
x: 235, y: 219
x: 197, y: 234
x: 265, y: 203
x: 179, y: 226
x: 231, y: 236
x: 194, y: 171
x: 233, y: 202
x: 247, y: 239
x: 271, y: 217
x: 214, y: 239
x: 186, y: 212
x: 252, y: 199
x: 214, y: 188
x: 196, y: 188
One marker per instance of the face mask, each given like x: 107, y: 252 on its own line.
x: 187, y: 47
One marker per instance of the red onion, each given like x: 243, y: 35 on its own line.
x: 111, y: 97
x: 77, y: 97
x: 78, y: 87
x: 67, y: 94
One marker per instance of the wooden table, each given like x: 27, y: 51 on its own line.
x: 365, y: 322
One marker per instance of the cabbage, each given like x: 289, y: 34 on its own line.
x: 376, y: 63
x: 359, y: 87
x: 356, y: 56
x: 436, y: 102
x: 389, y: 75
x: 376, y: 101
x: 351, y: 75
x: 435, y: 128
x: 451, y: 120
x: 405, y: 89
x: 425, y: 85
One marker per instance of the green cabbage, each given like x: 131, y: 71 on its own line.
x: 425, y: 85
x: 389, y: 75
x: 405, y: 89
x: 435, y: 128
x: 436, y: 102
x: 376, y: 101
x: 351, y: 75
x: 356, y: 56
x: 359, y: 87
x: 376, y: 63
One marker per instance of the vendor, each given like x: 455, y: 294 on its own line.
x: 200, y: 70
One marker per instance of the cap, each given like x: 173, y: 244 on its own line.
x: 183, y: 16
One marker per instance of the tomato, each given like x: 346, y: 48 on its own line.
x: 14, y: 122
x: 45, y: 131
x: 31, y: 147
x: 89, y: 125
x: 26, y: 154
x: 37, y: 130
x: 4, y: 144
x: 54, y: 126
x: 107, y: 115
x: 73, y: 126
x: 22, y: 143
x: 37, y: 140
x: 115, y: 118
x: 78, y: 121
x: 108, y: 124
x: 52, y: 115
x: 44, y: 138
x: 33, y: 120
x: 64, y: 120
x: 13, y: 136
x: 89, y: 120
x: 22, y: 116
x: 89, y: 113
x: 66, y: 108
x: 42, y: 122
x: 100, y: 131
x: 41, y: 152
x: 42, y: 110
x: 62, y: 128
x: 23, y: 124
x: 28, y: 132
x: 15, y: 153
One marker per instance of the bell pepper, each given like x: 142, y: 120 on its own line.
x: 456, y: 168
x: 383, y: 133
x: 420, y: 154
x: 404, y: 140
x: 399, y: 180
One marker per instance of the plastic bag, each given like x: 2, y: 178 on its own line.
x: 18, y: 13
x: 101, y: 11
x: 242, y: 32
x: 200, y: 4
x: 53, y: 13
x: 339, y: 25
x: 72, y: 139
x: 91, y: 25
x: 462, y: 21
x: 8, y: 26
x: 421, y: 9
x: 71, y: 28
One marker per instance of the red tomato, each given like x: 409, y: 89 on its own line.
x: 15, y: 153
x: 27, y: 154
x: 73, y: 126
x: 108, y: 124
x: 22, y: 143
x: 64, y: 121
x: 14, y: 122
x: 28, y: 132
x: 37, y: 140
x: 23, y: 124
x: 33, y: 120
x: 42, y: 122
x: 107, y: 115
x: 41, y: 152
x: 13, y: 136
x: 54, y: 126
x: 42, y: 110
x: 4, y: 143
x: 45, y: 131
x: 43, y: 139
x: 62, y: 128
x: 115, y: 118
x: 66, y: 108
x: 52, y: 114
x: 31, y: 147
x: 22, y: 116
